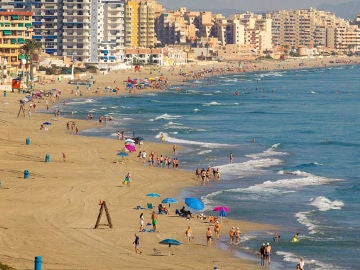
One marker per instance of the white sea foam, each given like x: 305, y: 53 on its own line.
x: 271, y: 74
x: 155, y: 101
x: 213, y: 103
x: 167, y: 116
x: 204, y: 152
x: 287, y: 256
x: 175, y: 125
x: 182, y: 141
x: 268, y: 152
x: 196, y: 110
x: 325, y: 204
x: 304, y: 219
x: 304, y: 179
x: 80, y: 101
x: 310, y: 264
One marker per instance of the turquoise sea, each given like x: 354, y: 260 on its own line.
x: 302, y: 172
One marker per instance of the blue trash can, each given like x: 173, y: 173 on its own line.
x: 26, y: 174
x: 4, y: 93
x: 27, y: 141
x: 47, y: 158
x: 37, y: 263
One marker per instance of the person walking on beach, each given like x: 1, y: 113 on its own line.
x: 174, y: 149
x: 267, y: 252
x: 237, y: 235
x: 162, y: 137
x: 154, y: 220
x: 217, y: 229
x: 141, y: 222
x: 137, y: 244
x: 208, y: 236
x: 189, y: 234
x: 231, y: 158
x: 262, y: 254
x: 232, y: 235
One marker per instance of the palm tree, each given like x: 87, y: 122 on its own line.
x: 30, y: 49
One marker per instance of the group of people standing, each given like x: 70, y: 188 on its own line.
x: 206, y: 175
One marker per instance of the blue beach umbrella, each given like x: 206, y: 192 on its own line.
x: 170, y: 241
x: 222, y: 213
x: 46, y: 123
x: 195, y: 203
x: 154, y: 195
x: 169, y: 200
x: 122, y: 154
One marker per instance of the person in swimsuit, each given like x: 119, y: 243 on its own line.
x: 136, y: 244
x: 217, y: 229
x: 189, y: 234
x: 267, y: 252
x: 154, y: 220
x: 141, y: 222
x: 208, y: 236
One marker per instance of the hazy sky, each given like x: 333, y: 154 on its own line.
x: 248, y: 5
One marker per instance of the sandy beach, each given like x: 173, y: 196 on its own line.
x: 53, y: 212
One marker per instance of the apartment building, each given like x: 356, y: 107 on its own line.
x: 172, y: 28
x: 15, y: 29
x: 110, y: 33
x: 313, y: 28
x: 139, y: 24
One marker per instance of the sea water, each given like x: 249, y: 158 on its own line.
x: 294, y: 136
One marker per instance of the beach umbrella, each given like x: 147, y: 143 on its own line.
x: 155, y: 195
x: 221, y: 208
x: 194, y: 203
x: 170, y: 242
x: 129, y: 141
x: 131, y: 148
x: 46, y: 123
x: 169, y: 200
x: 122, y: 154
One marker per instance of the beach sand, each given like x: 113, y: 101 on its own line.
x: 52, y: 213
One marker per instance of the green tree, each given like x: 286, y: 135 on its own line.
x: 30, y: 49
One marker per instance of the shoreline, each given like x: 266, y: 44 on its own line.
x: 14, y: 142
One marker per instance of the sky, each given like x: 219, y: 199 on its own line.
x: 246, y: 5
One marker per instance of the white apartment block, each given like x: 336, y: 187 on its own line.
x: 110, y: 33
x: 250, y: 29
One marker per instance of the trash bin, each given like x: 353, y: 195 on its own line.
x: 27, y: 141
x: 26, y: 174
x: 4, y: 93
x: 37, y: 263
x: 47, y: 158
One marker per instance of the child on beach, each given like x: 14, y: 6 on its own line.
x: 127, y: 179
x: 189, y: 234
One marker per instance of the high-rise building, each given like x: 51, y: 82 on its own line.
x: 84, y: 30
x: 139, y: 24
x: 15, y: 29
x: 109, y: 33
